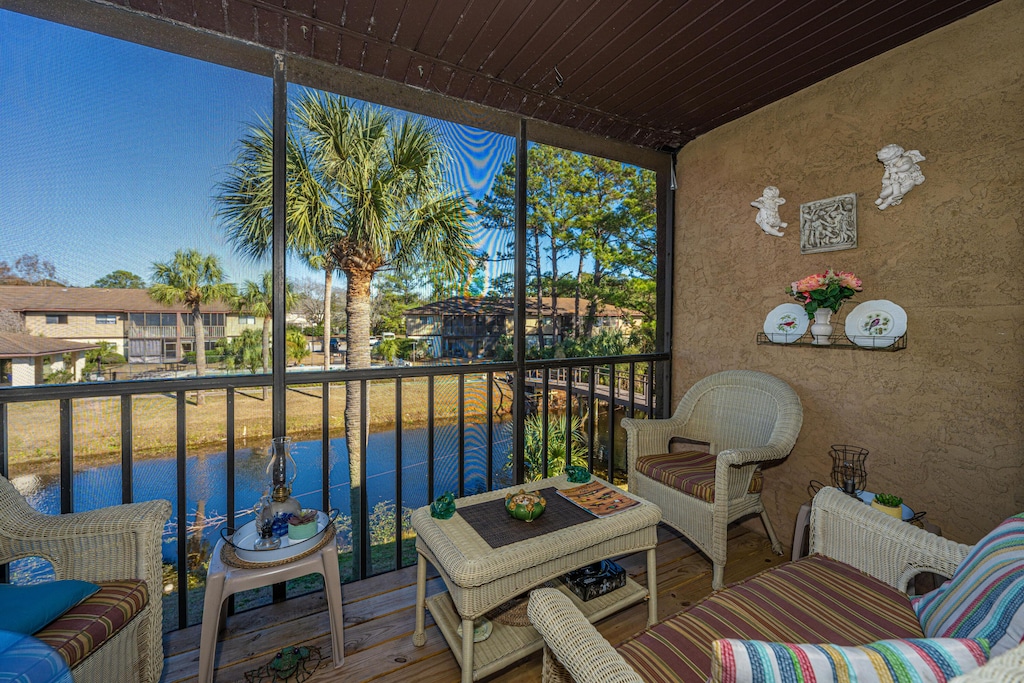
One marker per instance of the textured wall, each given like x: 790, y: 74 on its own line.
x: 942, y: 418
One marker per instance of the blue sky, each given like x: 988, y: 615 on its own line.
x: 111, y: 151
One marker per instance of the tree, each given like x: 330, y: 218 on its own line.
x: 387, y: 349
x: 366, y: 191
x: 96, y: 358
x: 258, y: 299
x: 242, y: 352
x: 35, y: 270
x: 587, y: 213
x: 558, y: 450
x: 192, y: 279
x: 298, y: 347
x: 394, y: 294
x: 309, y: 303
x: 120, y: 279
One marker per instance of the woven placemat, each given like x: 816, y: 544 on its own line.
x: 513, y: 612
x: 230, y: 558
x: 491, y: 520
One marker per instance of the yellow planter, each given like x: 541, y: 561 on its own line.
x: 896, y: 512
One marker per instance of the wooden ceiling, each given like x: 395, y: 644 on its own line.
x: 653, y: 74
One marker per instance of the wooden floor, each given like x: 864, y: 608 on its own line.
x: 379, y: 621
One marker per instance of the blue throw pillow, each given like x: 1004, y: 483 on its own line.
x: 27, y: 609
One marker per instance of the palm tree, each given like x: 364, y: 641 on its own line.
x: 192, y: 279
x: 258, y: 299
x: 560, y: 452
x: 296, y: 342
x: 365, y: 192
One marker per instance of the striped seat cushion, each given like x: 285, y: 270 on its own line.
x: 691, y: 472
x: 813, y: 600
x: 93, y: 621
x: 985, y: 596
x: 916, y: 660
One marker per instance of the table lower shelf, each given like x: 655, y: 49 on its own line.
x: 509, y: 644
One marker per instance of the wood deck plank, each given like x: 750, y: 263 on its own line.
x: 379, y: 620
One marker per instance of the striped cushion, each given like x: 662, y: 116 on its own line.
x: 93, y: 621
x: 813, y: 600
x: 985, y: 597
x: 919, y: 660
x: 691, y: 472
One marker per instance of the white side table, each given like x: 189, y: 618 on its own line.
x: 223, y: 581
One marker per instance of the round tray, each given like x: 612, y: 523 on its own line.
x: 244, y: 539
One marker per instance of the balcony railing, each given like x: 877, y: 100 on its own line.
x: 445, y: 428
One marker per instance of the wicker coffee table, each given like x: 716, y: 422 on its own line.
x: 480, y: 578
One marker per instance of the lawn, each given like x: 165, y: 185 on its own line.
x: 34, y: 428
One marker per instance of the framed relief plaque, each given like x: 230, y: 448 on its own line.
x: 828, y: 224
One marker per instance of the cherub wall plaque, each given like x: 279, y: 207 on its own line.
x: 828, y: 224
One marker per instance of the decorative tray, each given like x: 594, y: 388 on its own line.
x: 244, y: 540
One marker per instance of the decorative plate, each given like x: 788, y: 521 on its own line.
x: 786, y: 323
x: 876, y: 324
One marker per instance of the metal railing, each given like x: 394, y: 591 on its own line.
x: 545, y: 383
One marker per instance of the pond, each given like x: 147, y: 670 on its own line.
x: 206, y: 477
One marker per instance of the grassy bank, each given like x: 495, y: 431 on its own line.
x: 34, y: 428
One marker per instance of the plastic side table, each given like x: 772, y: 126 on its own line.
x: 803, y: 519
x: 223, y: 581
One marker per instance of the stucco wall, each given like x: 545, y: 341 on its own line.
x: 942, y: 418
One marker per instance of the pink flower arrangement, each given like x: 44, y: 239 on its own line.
x: 825, y: 290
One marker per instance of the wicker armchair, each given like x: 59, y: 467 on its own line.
x: 114, y: 543
x: 841, y: 528
x: 748, y: 418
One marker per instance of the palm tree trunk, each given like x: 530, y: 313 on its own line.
x: 266, y: 351
x: 555, y: 337
x: 579, y: 295
x: 328, y: 285
x: 357, y: 337
x: 200, y: 342
x: 540, y: 291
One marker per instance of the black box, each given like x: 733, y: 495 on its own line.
x: 595, y: 579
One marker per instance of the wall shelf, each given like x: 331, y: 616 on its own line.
x: 840, y: 341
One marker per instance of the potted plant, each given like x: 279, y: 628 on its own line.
x: 889, y: 504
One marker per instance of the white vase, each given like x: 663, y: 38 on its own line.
x: 822, y: 328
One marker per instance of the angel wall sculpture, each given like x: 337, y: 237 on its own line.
x: 767, y: 206
x: 901, y: 175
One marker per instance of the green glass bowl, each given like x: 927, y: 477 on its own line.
x: 525, y: 506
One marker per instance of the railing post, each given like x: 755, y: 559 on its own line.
x: 67, y: 449
x: 182, y: 505
x: 127, y: 488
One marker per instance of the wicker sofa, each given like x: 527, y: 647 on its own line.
x: 117, y: 633
x: 850, y: 591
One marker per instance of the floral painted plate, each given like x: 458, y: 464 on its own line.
x: 786, y: 323
x: 876, y: 324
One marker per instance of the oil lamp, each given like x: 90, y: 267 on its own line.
x: 282, y: 504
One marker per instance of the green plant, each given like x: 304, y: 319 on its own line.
x: 888, y: 500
